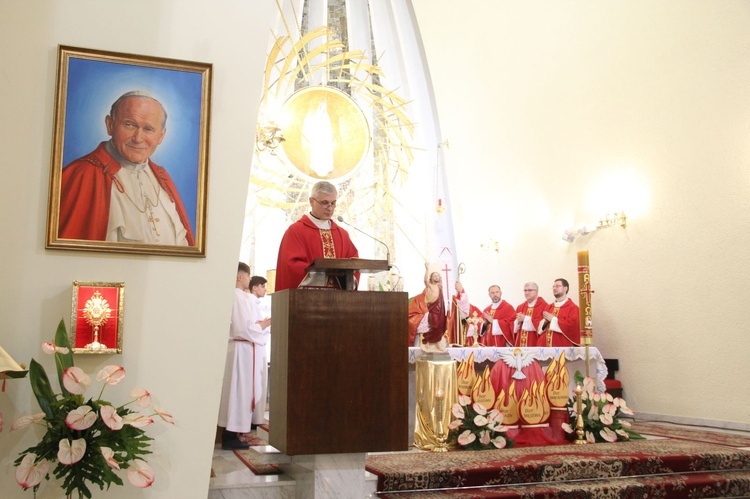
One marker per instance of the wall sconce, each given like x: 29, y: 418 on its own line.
x: 609, y: 220
x: 612, y: 219
x: 490, y: 245
x: 268, y: 137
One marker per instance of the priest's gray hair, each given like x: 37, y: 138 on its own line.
x: 324, y: 187
x: 141, y: 94
x: 532, y: 284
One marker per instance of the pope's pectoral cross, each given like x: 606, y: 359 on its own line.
x: 153, y: 221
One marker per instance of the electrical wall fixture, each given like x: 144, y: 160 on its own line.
x: 612, y: 219
x: 268, y: 137
x: 609, y: 220
x: 569, y: 235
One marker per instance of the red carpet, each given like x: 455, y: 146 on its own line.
x: 693, y: 434
x: 251, y: 461
x: 625, y: 469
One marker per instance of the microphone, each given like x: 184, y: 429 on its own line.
x: 340, y: 219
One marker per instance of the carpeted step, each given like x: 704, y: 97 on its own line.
x: 423, y: 470
x: 673, y: 486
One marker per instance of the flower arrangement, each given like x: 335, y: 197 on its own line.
x: 86, y: 440
x: 475, y: 428
x: 601, y: 414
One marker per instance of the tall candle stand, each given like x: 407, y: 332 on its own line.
x: 580, y: 435
x: 441, y: 434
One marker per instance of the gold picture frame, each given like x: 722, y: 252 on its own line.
x: 97, y: 317
x: 129, y: 168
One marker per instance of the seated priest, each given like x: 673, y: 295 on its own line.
x: 314, y: 235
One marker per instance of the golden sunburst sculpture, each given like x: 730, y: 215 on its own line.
x: 334, y: 117
x: 96, y: 312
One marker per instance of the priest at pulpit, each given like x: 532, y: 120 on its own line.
x: 314, y: 235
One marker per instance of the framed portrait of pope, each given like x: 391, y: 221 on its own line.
x: 129, y: 165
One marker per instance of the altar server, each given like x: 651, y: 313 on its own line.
x: 243, y: 393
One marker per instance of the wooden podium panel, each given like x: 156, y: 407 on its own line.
x: 339, y: 372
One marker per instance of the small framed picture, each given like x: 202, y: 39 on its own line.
x: 129, y: 167
x: 96, y: 322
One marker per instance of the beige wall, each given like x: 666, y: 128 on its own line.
x: 557, y: 98
x: 176, y: 309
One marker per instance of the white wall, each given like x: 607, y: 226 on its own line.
x: 555, y: 98
x: 176, y: 309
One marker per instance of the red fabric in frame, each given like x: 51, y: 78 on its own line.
x: 108, y: 331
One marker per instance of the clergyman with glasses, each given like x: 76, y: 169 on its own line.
x: 314, y: 235
x: 528, y: 316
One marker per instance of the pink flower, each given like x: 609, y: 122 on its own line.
x: 608, y: 414
x: 111, y: 375
x: 480, y: 420
x: 70, y: 452
x: 596, y: 397
x: 590, y: 437
x: 29, y: 474
x: 466, y: 438
x: 608, y: 435
x: 625, y: 423
x: 499, y: 442
x: 137, y: 420
x: 479, y: 409
x: 624, y: 434
x: 567, y: 428
x: 464, y: 400
x: 140, y: 474
x: 458, y: 411
x: 484, y: 437
x: 142, y: 397
x: 456, y: 423
x: 81, y: 418
x: 594, y: 413
x: 164, y: 415
x: 609, y: 397
x: 75, y: 380
x: 25, y: 421
x: 110, y: 417
x: 51, y: 348
x: 109, y: 456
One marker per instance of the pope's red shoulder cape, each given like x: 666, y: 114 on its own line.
x: 85, y: 194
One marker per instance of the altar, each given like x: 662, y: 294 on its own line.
x: 575, y: 360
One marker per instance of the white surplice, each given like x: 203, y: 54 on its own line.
x: 243, y: 393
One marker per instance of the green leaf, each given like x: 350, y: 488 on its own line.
x: 41, y: 387
x: 63, y: 360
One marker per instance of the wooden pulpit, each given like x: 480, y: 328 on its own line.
x: 339, y: 372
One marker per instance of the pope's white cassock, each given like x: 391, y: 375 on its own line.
x: 243, y: 395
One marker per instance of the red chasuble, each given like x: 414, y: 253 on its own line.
x: 302, y: 243
x: 86, y: 191
x: 529, y: 338
x: 568, y: 319
x: 505, y: 316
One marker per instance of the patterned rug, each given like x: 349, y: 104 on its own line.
x: 250, y: 459
x: 692, y: 434
x: 542, y: 465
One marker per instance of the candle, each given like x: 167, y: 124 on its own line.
x: 584, y: 308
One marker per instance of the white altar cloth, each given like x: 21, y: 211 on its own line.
x: 575, y: 358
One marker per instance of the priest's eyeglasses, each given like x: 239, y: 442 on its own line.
x: 325, y: 204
